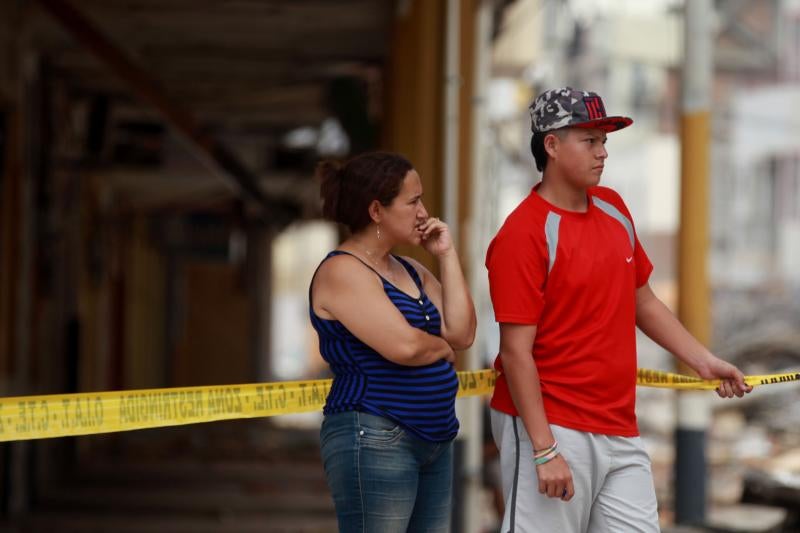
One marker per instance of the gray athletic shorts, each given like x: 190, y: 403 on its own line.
x: 613, y: 483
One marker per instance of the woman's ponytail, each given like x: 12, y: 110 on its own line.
x: 330, y: 175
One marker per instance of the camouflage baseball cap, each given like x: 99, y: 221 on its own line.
x: 559, y: 108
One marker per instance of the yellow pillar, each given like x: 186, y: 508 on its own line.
x: 414, y: 84
x: 693, y: 237
x: 414, y: 122
x: 469, y: 9
x: 693, y: 411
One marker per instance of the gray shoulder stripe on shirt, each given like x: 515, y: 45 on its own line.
x: 551, y: 234
x: 615, y: 213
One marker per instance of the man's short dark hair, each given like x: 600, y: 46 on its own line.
x: 537, y: 146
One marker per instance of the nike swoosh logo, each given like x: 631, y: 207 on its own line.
x: 629, y: 259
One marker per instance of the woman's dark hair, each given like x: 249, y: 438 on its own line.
x: 348, y: 189
x: 537, y: 147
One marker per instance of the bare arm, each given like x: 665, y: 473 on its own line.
x: 346, y: 290
x: 658, y: 323
x: 520, y: 371
x: 451, y: 295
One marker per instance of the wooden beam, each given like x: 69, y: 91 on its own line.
x: 9, y: 195
x: 9, y: 241
x: 217, y: 157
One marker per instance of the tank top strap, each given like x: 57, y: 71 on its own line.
x: 411, y: 272
x: 343, y: 252
x: 334, y: 253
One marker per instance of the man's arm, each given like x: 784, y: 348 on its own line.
x: 519, y: 368
x: 658, y: 323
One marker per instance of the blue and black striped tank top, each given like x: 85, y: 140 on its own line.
x: 420, y: 398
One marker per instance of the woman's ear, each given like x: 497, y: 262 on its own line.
x: 375, y: 211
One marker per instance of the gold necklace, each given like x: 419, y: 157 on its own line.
x: 370, y: 255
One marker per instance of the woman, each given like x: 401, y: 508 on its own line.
x: 388, y: 328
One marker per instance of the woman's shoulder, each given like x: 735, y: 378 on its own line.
x: 342, y: 268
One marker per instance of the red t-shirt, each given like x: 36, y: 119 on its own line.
x: 574, y: 276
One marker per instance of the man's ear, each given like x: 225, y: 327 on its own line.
x: 551, y: 142
x: 375, y: 211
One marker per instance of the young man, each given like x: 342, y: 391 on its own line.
x: 569, y: 284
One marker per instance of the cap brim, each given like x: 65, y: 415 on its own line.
x: 607, y: 124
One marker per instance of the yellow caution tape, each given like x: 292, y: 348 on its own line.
x: 65, y: 415
x: 69, y: 415
x: 668, y: 380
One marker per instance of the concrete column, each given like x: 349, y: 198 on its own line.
x: 465, y: 48
x: 693, y: 409
x: 475, y: 35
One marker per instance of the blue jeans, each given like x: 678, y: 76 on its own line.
x: 384, y: 479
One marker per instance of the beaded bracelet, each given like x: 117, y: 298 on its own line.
x: 545, y: 451
x: 545, y: 456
